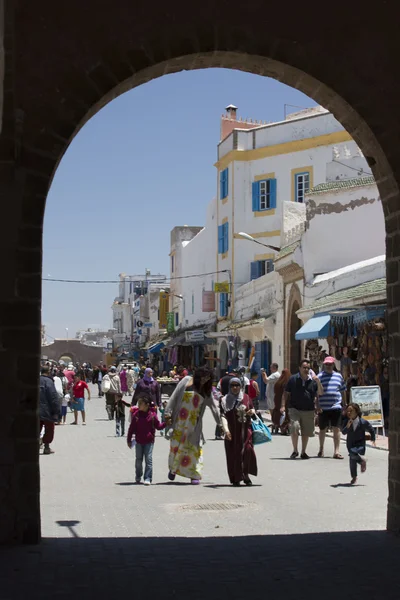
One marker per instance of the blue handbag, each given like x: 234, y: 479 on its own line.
x: 261, y: 433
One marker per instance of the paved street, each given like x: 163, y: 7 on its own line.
x: 292, y: 534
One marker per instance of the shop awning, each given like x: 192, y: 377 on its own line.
x: 317, y: 327
x: 155, y: 348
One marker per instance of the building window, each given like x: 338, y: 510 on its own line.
x: 172, y: 263
x: 223, y: 184
x: 264, y: 195
x: 223, y: 305
x: 192, y: 304
x: 176, y: 319
x: 258, y: 268
x: 223, y: 238
x: 184, y: 309
x: 302, y: 185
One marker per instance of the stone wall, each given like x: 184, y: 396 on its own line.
x: 73, y: 348
x: 70, y: 62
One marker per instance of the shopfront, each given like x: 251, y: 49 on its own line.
x: 355, y: 337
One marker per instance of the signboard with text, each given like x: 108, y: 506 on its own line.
x: 163, y: 308
x: 208, y: 303
x: 221, y: 287
x: 369, y: 399
x: 194, y: 336
x: 170, y: 322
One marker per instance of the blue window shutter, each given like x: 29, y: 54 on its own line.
x: 223, y: 184
x: 254, y: 270
x: 220, y: 239
x: 296, y: 187
x: 255, y: 196
x: 272, y: 191
x: 226, y: 237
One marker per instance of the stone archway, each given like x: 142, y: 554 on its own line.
x: 61, y: 64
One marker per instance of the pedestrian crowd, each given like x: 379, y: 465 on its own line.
x: 296, y: 403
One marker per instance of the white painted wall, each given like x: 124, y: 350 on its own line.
x: 351, y: 229
x: 345, y: 278
x: 199, y: 256
x: 263, y: 297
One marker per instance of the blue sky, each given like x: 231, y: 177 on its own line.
x: 138, y: 168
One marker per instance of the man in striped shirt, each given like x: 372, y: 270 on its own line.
x: 331, y: 403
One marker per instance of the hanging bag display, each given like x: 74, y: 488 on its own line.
x: 261, y: 433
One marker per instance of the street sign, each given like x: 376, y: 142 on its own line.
x: 195, y: 336
x: 148, y: 325
x: 221, y: 287
x: 139, y: 323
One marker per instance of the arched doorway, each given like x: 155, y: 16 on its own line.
x: 224, y: 356
x: 295, y: 345
x: 79, y: 64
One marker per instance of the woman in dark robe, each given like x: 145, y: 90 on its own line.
x: 279, y: 390
x: 236, y: 412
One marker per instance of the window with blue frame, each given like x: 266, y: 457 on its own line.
x: 223, y: 305
x: 223, y: 238
x: 264, y: 195
x: 301, y: 185
x: 223, y: 184
x: 258, y: 268
x: 176, y: 319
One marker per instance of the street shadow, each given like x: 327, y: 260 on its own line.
x: 101, y: 419
x: 346, y: 485
x: 172, y: 483
x: 276, y: 566
x: 217, y: 486
x: 126, y: 483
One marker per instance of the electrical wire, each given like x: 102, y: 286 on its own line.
x: 128, y: 281
x: 353, y: 168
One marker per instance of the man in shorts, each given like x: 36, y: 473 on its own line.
x: 301, y: 397
x: 331, y: 405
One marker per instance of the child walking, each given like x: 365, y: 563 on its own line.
x: 141, y: 434
x: 355, y: 427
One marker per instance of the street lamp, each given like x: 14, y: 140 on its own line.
x: 246, y: 236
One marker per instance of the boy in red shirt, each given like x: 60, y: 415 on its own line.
x: 78, y: 401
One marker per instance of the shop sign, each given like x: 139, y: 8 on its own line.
x: 170, y: 327
x: 195, y: 336
x: 370, y: 401
x: 163, y: 306
x: 221, y: 287
x: 208, y: 304
x: 148, y: 325
x: 368, y: 314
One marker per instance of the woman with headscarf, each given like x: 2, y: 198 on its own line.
x: 124, y: 380
x: 149, y: 386
x: 277, y: 412
x: 186, y: 409
x: 236, y: 412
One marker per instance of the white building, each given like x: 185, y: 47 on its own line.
x: 302, y: 188
x: 128, y: 308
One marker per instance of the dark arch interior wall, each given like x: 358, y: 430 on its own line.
x: 295, y: 345
x: 61, y: 64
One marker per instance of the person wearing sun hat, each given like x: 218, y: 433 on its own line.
x: 331, y: 403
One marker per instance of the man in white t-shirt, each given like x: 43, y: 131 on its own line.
x: 270, y: 383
